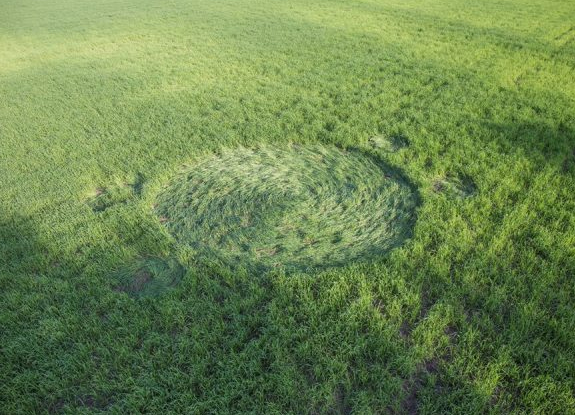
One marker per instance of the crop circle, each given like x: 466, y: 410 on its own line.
x: 295, y: 207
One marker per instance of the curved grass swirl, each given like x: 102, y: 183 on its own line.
x: 295, y: 207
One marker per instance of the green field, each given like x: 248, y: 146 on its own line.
x: 112, y: 302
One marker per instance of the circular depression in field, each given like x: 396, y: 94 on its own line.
x: 295, y: 207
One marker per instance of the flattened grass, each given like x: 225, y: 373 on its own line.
x: 294, y: 207
x: 150, y: 277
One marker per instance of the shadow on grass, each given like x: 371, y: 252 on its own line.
x: 541, y: 142
x: 20, y: 250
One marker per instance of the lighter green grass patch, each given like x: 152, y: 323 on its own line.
x: 391, y: 143
x: 295, y: 207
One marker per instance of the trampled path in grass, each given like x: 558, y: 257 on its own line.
x: 104, y: 104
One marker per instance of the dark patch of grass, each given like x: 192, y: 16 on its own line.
x: 569, y: 162
x: 150, y: 277
x: 455, y: 185
x: 424, y: 372
x: 138, y: 184
x: 107, y: 197
x: 20, y: 248
x: 121, y: 193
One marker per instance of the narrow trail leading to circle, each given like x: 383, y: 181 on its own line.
x: 294, y: 207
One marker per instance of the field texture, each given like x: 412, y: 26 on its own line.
x: 409, y: 164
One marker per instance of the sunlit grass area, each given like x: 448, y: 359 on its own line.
x: 108, y: 106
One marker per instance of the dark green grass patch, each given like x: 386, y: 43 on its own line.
x: 150, y: 277
x: 294, y: 207
x: 455, y: 185
x: 104, y: 198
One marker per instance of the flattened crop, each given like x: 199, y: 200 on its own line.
x: 295, y: 207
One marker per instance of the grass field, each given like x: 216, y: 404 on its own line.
x: 105, y: 103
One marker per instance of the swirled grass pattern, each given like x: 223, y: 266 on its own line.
x: 295, y: 207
